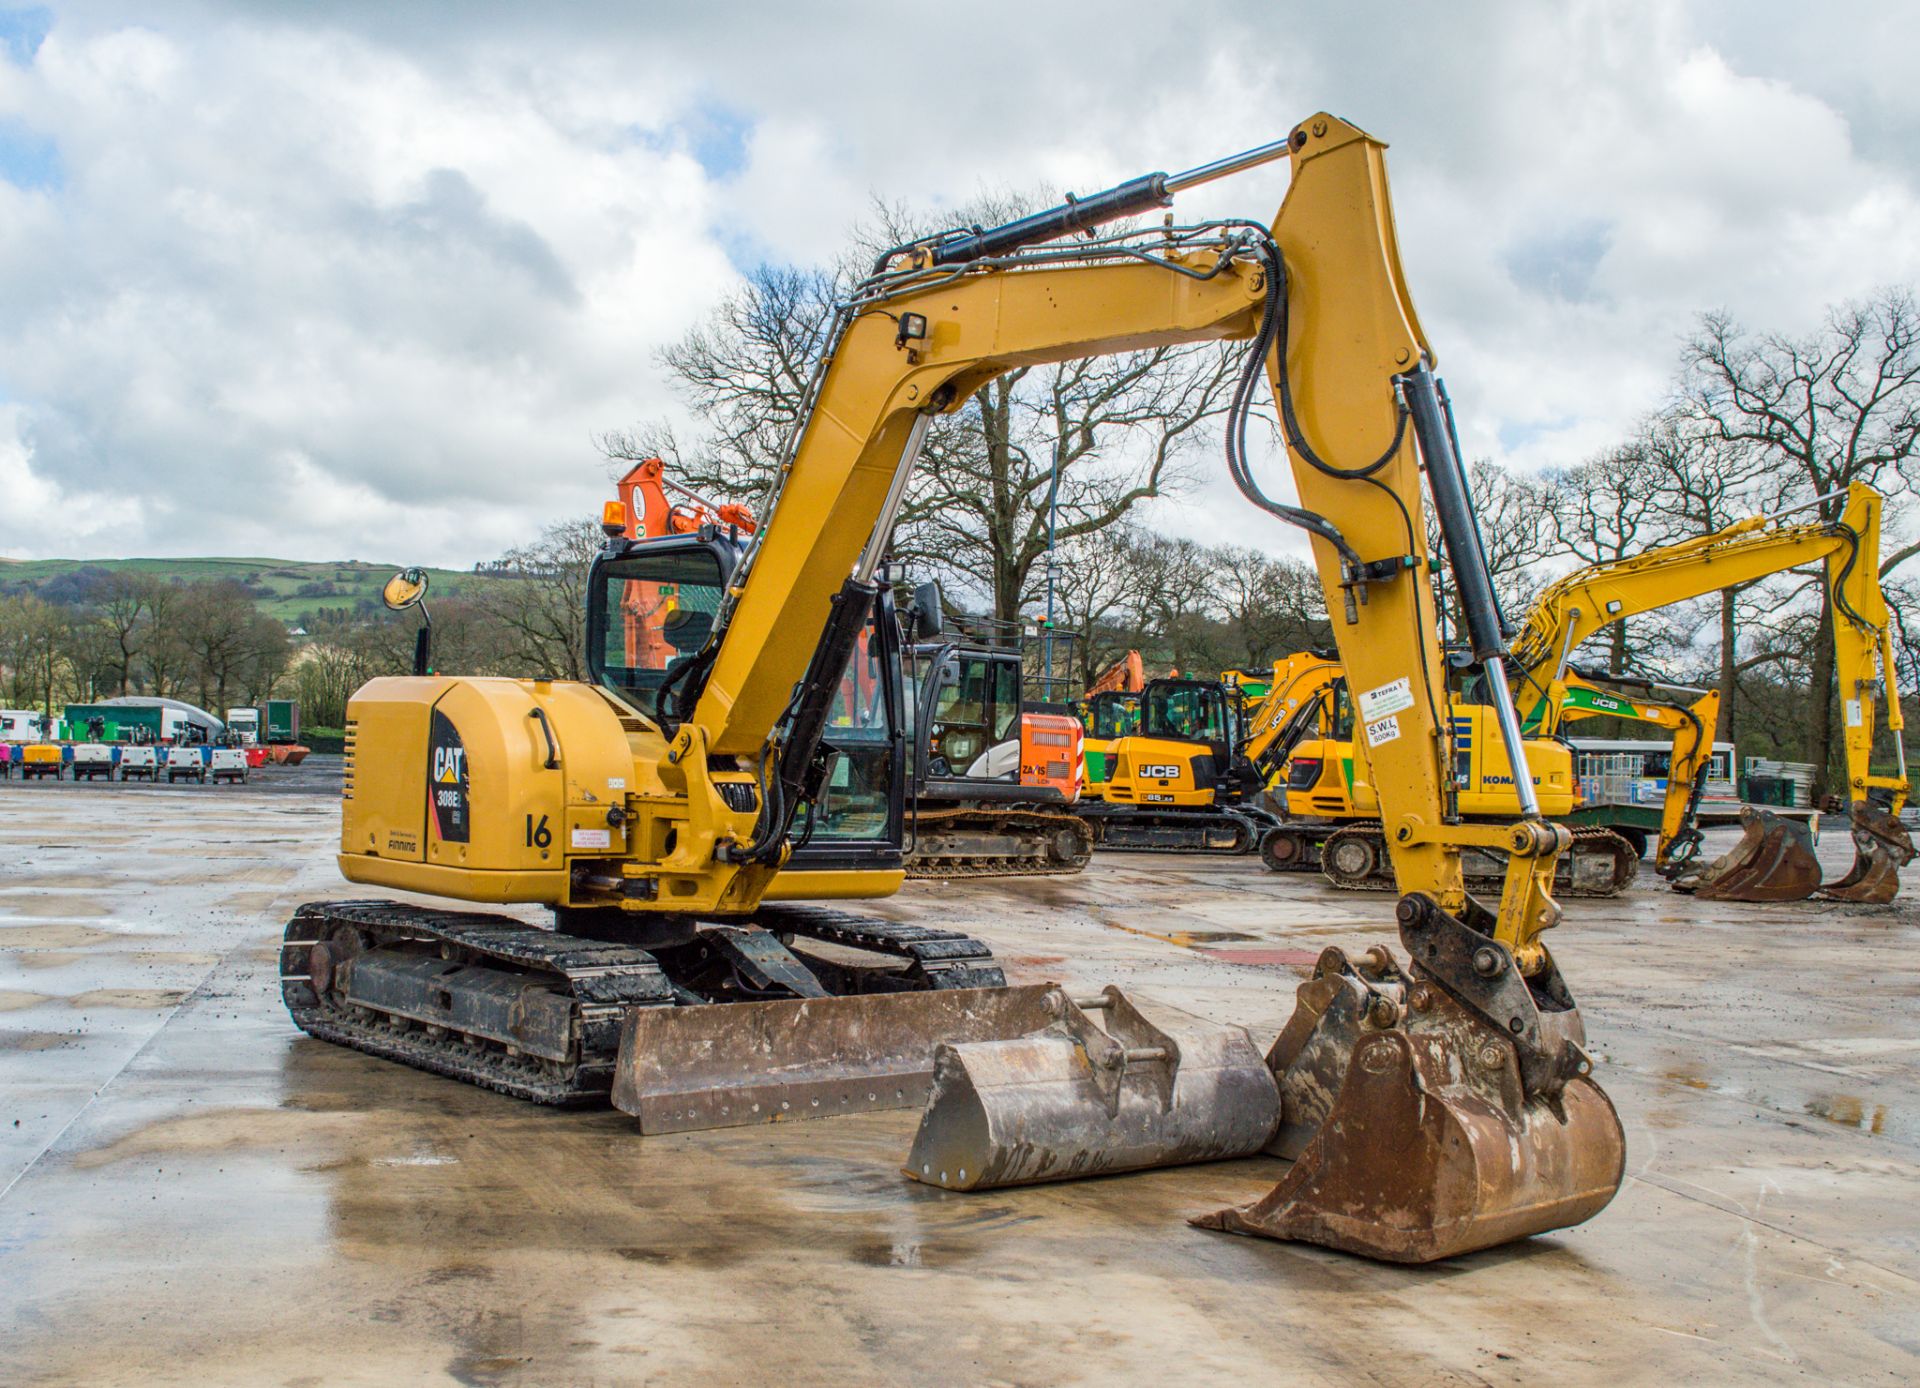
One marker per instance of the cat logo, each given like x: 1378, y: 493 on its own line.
x: 449, y: 811
x: 449, y: 765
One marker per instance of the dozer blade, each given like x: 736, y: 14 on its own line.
x: 1155, y: 1087
x: 730, y: 1064
x: 1774, y: 861
x: 1881, y: 847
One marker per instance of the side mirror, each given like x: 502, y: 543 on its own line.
x: 929, y: 610
x: 405, y: 589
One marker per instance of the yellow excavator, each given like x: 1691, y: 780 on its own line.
x: 1691, y: 716
x: 1433, y: 1108
x: 1191, y: 773
x: 1774, y: 859
x: 1330, y: 796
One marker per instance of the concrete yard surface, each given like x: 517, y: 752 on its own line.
x: 193, y: 1192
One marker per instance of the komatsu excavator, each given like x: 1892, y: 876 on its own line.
x: 1433, y: 1108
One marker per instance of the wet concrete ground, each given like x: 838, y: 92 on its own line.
x: 191, y: 1191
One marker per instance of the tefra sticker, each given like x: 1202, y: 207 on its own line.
x: 1382, y: 731
x: 1391, y: 697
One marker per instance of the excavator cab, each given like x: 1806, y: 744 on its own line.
x: 992, y: 784
x: 650, y: 611
x: 1181, y: 780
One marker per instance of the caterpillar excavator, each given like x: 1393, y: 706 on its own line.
x: 1431, y: 1108
x: 1109, y: 710
x: 991, y: 784
x: 1329, y: 796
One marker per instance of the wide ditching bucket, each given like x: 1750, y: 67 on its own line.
x: 1774, y: 861
x: 1153, y: 1086
x: 1413, y: 1134
x: 732, y: 1064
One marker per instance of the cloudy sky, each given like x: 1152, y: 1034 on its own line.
x: 363, y: 279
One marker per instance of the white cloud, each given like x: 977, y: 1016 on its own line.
x: 363, y: 281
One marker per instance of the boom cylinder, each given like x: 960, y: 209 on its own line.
x: 1473, y: 582
x: 1128, y: 199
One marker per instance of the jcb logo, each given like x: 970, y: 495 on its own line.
x: 448, y: 768
x: 1165, y: 772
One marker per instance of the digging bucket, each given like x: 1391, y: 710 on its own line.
x: 733, y: 1064
x: 1774, y: 861
x: 1429, y: 1146
x: 1154, y: 1086
x: 1881, y: 847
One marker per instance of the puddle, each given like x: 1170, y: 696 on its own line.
x: 220, y: 1130
x: 36, y: 1040
x: 56, y: 936
x: 1849, y: 1112
x: 129, y: 997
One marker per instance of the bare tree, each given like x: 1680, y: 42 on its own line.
x: 538, y: 605
x: 1271, y: 607
x: 1605, y: 509
x: 1837, y: 406
x: 1044, y: 453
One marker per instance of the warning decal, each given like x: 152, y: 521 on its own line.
x: 1382, y: 730
x: 447, y: 781
x: 1853, y: 713
x: 1392, y: 697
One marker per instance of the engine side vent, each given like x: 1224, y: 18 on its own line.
x: 346, y: 779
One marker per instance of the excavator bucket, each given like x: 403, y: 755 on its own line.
x: 1774, y: 861
x: 731, y: 1064
x: 1881, y: 846
x: 1154, y: 1087
x: 1417, y: 1140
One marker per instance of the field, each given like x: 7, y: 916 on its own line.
x: 282, y: 588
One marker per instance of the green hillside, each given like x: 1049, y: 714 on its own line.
x: 283, y: 588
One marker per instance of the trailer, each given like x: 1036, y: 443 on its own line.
x: 228, y: 764
x: 92, y: 760
x: 184, y: 763
x: 39, y: 760
x: 139, y: 762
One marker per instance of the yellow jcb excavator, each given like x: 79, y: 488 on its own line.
x: 1691, y: 716
x: 1433, y: 1109
x: 1330, y: 795
x: 1774, y: 860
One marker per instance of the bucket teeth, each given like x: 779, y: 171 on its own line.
x: 1154, y: 1087
x: 1774, y: 861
